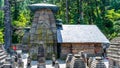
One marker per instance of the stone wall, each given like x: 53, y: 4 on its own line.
x: 75, y: 48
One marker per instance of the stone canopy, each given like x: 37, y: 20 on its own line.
x: 35, y: 7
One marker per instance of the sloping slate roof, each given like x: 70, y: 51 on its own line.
x: 80, y: 34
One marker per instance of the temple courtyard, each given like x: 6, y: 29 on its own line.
x: 48, y: 62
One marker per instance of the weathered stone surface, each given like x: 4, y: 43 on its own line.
x: 41, y: 18
x: 35, y: 20
x: 32, y: 31
x: 75, y: 48
x: 36, y: 15
x: 44, y: 26
x: 33, y: 25
x: 43, y: 30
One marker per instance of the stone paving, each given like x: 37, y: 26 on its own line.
x: 48, y: 63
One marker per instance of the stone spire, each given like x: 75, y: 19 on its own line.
x: 43, y: 30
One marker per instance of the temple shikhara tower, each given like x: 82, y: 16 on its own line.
x: 43, y: 31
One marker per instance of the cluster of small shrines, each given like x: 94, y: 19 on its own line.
x: 78, y: 44
x: 7, y: 61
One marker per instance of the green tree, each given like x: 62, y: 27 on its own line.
x: 103, y: 13
x: 1, y: 37
x: 20, y: 18
x: 114, y: 16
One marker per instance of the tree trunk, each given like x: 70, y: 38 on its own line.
x: 81, y: 11
x: 7, y: 23
x: 67, y: 10
x: 16, y: 11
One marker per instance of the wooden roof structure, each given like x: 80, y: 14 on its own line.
x: 80, y: 34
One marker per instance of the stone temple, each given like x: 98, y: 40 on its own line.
x: 49, y: 34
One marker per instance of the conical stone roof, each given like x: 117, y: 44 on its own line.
x: 114, y: 49
x: 3, y: 55
x: 77, y: 62
x: 97, y: 64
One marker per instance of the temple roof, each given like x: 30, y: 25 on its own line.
x: 80, y: 34
x: 39, y: 6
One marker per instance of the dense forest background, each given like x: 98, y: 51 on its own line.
x: 103, y: 13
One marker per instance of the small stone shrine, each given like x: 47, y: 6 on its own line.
x: 98, y: 63
x: 113, y: 53
x: 77, y: 62
x: 68, y: 60
x: 3, y: 54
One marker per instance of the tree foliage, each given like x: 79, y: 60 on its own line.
x: 1, y: 21
x: 103, y: 13
x: 20, y: 18
x: 1, y: 37
x: 21, y: 21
